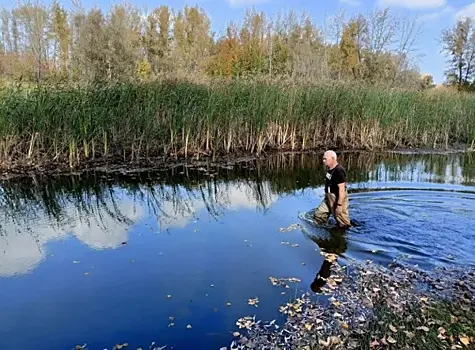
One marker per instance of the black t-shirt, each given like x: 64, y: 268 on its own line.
x: 334, y: 177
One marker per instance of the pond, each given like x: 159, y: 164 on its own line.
x: 173, y: 257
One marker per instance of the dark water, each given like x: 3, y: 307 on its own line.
x: 94, y: 258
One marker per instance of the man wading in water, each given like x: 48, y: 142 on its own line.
x: 336, y: 196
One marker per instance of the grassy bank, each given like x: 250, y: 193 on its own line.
x: 71, y: 126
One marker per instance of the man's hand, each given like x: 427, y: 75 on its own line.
x: 338, y: 210
x: 341, y: 196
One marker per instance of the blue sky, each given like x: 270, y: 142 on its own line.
x: 434, y: 15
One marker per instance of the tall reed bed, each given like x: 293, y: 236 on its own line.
x: 134, y: 121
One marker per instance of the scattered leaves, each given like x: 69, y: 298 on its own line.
x: 254, y: 302
x: 246, y: 322
x: 121, y: 346
x: 290, y: 228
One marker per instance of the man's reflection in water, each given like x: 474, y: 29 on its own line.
x: 335, y: 243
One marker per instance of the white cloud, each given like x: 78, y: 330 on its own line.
x: 351, y: 2
x: 468, y: 11
x: 240, y: 3
x: 413, y: 4
x: 25, y: 245
x: 231, y: 196
x: 435, y: 15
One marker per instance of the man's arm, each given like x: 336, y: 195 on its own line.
x: 341, y: 193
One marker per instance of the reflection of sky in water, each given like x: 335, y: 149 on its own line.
x: 23, y: 245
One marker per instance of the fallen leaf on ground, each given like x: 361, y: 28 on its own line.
x: 465, y: 341
x: 410, y: 335
x: 330, y: 341
x: 374, y: 344
x: 391, y: 340
x: 423, y: 328
x: 441, y: 333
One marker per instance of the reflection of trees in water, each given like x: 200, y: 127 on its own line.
x: 99, y: 209
x: 96, y: 196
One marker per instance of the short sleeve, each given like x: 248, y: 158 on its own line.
x: 339, y: 176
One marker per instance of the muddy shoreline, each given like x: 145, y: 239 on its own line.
x: 117, y: 164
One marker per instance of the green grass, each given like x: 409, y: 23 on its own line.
x: 180, y: 119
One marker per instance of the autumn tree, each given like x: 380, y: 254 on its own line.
x: 192, y: 39
x: 349, y: 50
x: 225, y: 54
x: 33, y: 22
x: 252, y: 59
x: 123, y: 33
x: 156, y: 39
x: 60, y: 34
x: 90, y: 43
x: 459, y: 45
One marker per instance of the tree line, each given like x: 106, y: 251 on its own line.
x: 40, y: 42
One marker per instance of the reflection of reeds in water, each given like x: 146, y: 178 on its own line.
x: 96, y: 196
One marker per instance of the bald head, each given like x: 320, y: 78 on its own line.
x: 330, y: 154
x: 330, y: 159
